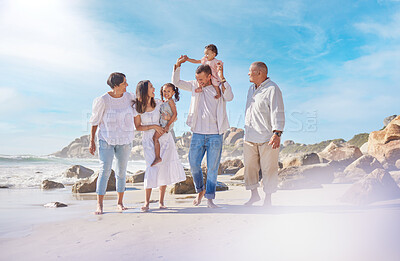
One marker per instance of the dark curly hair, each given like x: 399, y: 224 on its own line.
x: 174, y: 88
x: 212, y: 48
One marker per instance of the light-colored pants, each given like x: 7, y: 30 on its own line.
x: 106, y: 155
x: 260, y: 156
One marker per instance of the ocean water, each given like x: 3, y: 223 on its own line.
x: 27, y: 171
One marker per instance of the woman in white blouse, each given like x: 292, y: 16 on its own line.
x: 113, y: 116
x: 147, y: 119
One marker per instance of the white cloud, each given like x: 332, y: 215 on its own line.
x: 390, y: 30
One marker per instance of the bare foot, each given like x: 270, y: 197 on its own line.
x: 252, y: 200
x: 199, y: 197
x: 121, y: 207
x: 162, y: 206
x: 211, y: 204
x: 267, y: 200
x: 99, y: 210
x: 145, y: 208
x: 156, y: 160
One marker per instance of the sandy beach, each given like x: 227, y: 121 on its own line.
x: 308, y: 224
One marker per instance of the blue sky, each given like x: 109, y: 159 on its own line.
x: 336, y: 62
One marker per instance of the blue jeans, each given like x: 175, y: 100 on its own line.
x: 212, y: 143
x: 106, y: 155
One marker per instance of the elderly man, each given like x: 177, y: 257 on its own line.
x: 264, y: 123
x: 208, y: 120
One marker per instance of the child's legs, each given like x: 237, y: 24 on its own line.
x: 156, y: 142
x: 162, y: 194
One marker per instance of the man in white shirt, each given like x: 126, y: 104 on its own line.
x: 208, y: 120
x: 264, y: 123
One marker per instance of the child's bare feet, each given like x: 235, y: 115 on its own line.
x: 198, y: 89
x: 156, y: 161
x: 162, y: 206
x: 199, y: 197
x: 121, y: 207
x: 145, y: 208
x: 99, y: 210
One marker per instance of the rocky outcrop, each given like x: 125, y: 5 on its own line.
x: 137, y: 177
x: 231, y: 166
x: 239, y: 175
x: 89, y: 184
x: 187, y: 186
x: 364, y: 148
x: 388, y: 119
x: 341, y: 152
x: 377, y: 186
x: 79, y: 148
x: 78, y: 171
x: 233, y: 136
x: 300, y: 160
x: 385, y: 144
x: 308, y: 176
x: 358, y: 169
x: 288, y: 142
x: 48, y: 184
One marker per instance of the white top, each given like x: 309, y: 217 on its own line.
x: 196, y: 102
x: 206, y: 122
x: 264, y: 112
x: 114, y: 116
x: 149, y: 117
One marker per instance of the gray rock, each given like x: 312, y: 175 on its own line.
x: 234, y: 136
x: 89, y: 184
x: 300, y: 160
x: 137, y: 177
x: 396, y: 176
x: 307, y: 176
x: 55, y: 205
x: 78, y: 171
x: 358, y: 169
x: 239, y: 175
x: 231, y: 166
x: 48, y: 184
x: 387, y: 120
x: 364, y: 148
x: 341, y: 152
x: 187, y: 186
x: 287, y: 143
x: 397, y: 164
x: 377, y: 186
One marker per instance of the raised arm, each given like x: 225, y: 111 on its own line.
x: 176, y: 78
x: 140, y: 127
x: 193, y: 60
x: 227, y: 93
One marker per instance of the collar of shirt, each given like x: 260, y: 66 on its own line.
x: 262, y: 85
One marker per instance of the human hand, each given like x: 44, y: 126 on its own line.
x: 166, y: 116
x: 166, y: 129
x: 198, y: 90
x: 275, y: 141
x: 181, y: 59
x: 92, y: 147
x: 220, y: 70
x: 159, y: 130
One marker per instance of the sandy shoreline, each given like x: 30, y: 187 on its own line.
x: 303, y: 225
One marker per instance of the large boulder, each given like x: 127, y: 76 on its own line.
x: 377, y: 186
x: 48, y: 184
x: 234, y: 136
x: 396, y: 176
x: 388, y: 119
x: 364, y: 148
x: 300, y: 160
x: 385, y: 144
x: 78, y: 171
x: 137, y: 177
x: 307, y: 176
x: 239, y: 175
x: 187, y: 186
x: 231, y: 166
x: 89, y: 184
x: 288, y: 142
x: 344, y: 153
x: 358, y: 169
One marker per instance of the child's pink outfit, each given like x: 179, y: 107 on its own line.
x: 215, y: 80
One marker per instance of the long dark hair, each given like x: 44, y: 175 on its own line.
x: 142, y: 97
x: 176, y: 90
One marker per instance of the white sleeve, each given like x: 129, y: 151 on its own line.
x: 98, y: 109
x: 227, y: 94
x: 176, y: 80
x: 277, y: 109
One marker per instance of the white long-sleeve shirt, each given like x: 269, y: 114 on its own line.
x: 264, y: 112
x: 198, y: 105
x: 114, y: 116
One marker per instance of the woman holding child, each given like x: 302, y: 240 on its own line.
x: 166, y: 168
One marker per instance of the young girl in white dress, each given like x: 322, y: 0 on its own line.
x: 147, y: 119
x: 171, y: 95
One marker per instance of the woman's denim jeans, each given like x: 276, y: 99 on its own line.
x: 106, y: 155
x: 212, y: 143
